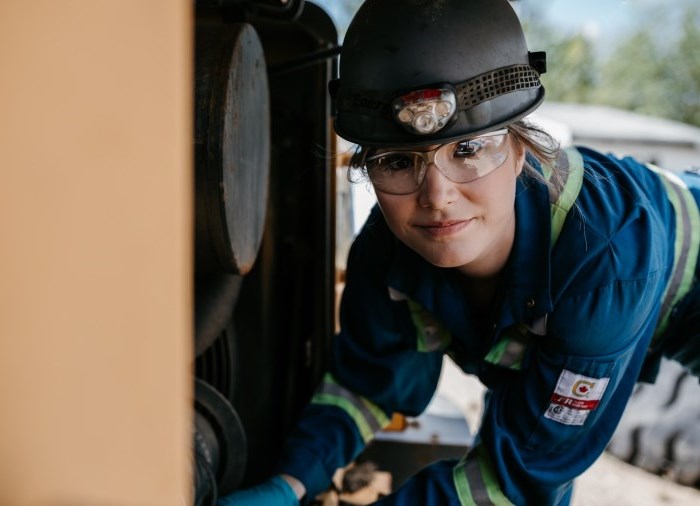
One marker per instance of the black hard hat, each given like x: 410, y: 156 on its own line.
x: 417, y: 72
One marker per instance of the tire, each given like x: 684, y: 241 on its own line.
x: 660, y: 429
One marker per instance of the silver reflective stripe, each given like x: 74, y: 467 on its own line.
x: 686, y: 245
x: 512, y: 355
x: 510, y: 348
x: 431, y: 335
x: 506, y: 353
x: 480, y: 494
x: 677, y: 276
x: 396, y: 296
x: 476, y: 483
x: 368, y: 417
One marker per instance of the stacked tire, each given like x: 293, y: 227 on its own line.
x: 660, y: 429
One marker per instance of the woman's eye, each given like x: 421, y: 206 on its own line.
x: 394, y: 162
x: 466, y: 149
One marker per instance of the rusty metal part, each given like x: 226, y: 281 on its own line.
x: 232, y: 146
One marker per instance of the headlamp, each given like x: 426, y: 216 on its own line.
x: 425, y: 111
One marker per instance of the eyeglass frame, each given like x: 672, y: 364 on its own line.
x: 428, y: 158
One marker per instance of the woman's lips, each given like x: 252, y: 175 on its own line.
x: 444, y: 228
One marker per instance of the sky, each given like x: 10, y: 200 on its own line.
x: 601, y: 20
x: 567, y: 12
x: 605, y: 14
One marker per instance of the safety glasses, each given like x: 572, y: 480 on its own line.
x: 401, y: 172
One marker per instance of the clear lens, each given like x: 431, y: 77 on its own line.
x: 395, y: 171
x: 401, y: 172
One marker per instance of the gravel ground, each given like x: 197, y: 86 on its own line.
x: 612, y: 482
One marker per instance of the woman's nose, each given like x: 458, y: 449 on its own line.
x: 437, y: 191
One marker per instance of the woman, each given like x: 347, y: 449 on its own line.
x: 559, y: 277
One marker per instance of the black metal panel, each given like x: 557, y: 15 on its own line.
x: 284, y: 317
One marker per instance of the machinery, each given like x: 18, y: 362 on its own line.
x: 264, y: 229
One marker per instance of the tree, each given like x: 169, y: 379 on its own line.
x: 656, y: 73
x: 684, y: 70
x: 635, y: 77
x: 571, y: 76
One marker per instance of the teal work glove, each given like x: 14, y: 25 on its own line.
x: 273, y: 492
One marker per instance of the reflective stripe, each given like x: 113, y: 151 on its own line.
x: 476, y: 482
x: 397, y: 296
x: 507, y: 353
x: 430, y: 333
x: 686, y: 246
x: 471, y: 489
x: 571, y: 163
x: 510, y: 349
x: 368, y: 417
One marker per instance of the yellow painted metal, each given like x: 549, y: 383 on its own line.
x: 95, y: 253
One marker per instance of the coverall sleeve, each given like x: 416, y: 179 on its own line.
x: 375, y: 370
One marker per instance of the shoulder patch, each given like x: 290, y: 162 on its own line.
x: 574, y: 397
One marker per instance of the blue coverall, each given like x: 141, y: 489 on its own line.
x: 560, y: 355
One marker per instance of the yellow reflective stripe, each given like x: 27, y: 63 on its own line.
x: 332, y: 400
x: 571, y: 189
x: 686, y: 246
x: 494, y: 355
x: 489, y: 476
x: 381, y: 419
x: 462, y: 486
x: 368, y: 417
x: 476, y: 482
x: 430, y: 334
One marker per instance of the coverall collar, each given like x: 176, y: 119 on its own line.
x: 527, y: 276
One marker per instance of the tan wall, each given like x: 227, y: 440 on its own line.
x: 95, y: 218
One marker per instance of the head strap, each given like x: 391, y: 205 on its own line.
x: 470, y: 93
x: 494, y: 83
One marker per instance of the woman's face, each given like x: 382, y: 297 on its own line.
x: 468, y: 226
